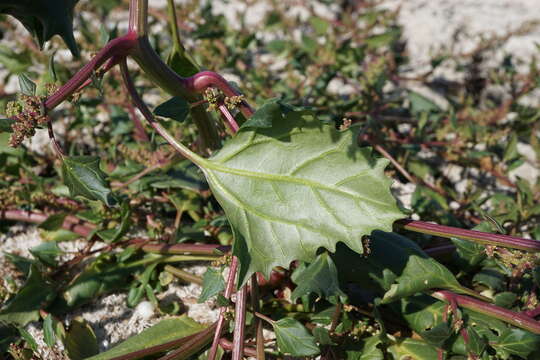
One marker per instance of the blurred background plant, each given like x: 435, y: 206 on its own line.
x: 464, y: 152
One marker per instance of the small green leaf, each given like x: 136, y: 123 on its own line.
x: 27, y: 86
x: 490, y: 277
x: 46, y: 252
x: 83, y: 177
x: 175, y: 108
x: 53, y: 222
x: 80, y: 340
x: 213, y: 284
x: 5, y: 125
x: 421, y: 104
x: 319, y: 277
x: 293, y: 338
x: 48, y: 331
x: 319, y: 25
x: 413, y: 349
x: 505, y: 299
x: 112, y: 235
x: 265, y: 115
x: 422, y: 273
x: 384, y: 39
x: 322, y: 335
x: 476, y: 343
x: 165, y: 331
x: 29, y: 339
x: 370, y: 350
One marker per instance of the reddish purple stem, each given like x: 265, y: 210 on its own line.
x: 471, y: 235
x: 511, y: 317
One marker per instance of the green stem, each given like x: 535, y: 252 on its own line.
x: 184, y: 275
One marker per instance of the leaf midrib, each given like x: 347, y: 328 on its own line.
x: 212, y: 165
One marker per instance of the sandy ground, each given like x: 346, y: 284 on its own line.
x: 430, y: 26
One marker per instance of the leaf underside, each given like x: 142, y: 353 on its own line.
x: 298, y: 186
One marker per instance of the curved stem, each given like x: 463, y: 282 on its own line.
x: 471, y: 235
x: 139, y: 103
x: 508, y: 316
x: 118, y: 47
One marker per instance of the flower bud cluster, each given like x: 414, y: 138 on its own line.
x: 28, y: 113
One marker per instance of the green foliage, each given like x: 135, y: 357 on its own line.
x: 175, y: 108
x: 213, y: 284
x: 293, y: 338
x: 335, y: 284
x: 319, y: 277
x: 264, y: 198
x: 165, y: 331
x: 36, y: 293
x: 83, y: 177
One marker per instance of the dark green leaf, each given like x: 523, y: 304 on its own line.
x: 35, y: 294
x: 44, y: 19
x: 213, y: 284
x: 165, y: 331
x: 319, y: 277
x: 80, y: 341
x: 83, y: 177
x: 175, y: 108
x: 312, y: 187
x: 490, y: 277
x: 505, y: 299
x: 5, y: 125
x: 476, y: 343
x: 293, y: 338
x: 322, y: 335
x: 53, y: 222
x: 517, y: 342
x: 265, y: 115
x: 423, y: 273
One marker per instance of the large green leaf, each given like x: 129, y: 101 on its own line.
x: 165, y: 331
x: 83, y: 177
x: 44, y: 19
x: 298, y: 186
